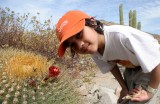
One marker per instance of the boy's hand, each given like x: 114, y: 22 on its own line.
x: 123, y: 93
x: 139, y: 95
x: 142, y: 95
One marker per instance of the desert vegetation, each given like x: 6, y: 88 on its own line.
x: 28, y: 49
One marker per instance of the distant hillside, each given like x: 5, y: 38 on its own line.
x: 108, y: 23
x: 157, y: 36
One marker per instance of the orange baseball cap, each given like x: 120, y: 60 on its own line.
x: 68, y: 25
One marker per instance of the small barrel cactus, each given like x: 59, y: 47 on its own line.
x: 28, y: 79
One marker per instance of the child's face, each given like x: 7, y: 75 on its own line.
x: 85, y: 42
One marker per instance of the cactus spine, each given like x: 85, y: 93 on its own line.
x: 121, y: 14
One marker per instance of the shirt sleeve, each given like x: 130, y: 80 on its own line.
x: 147, y: 51
x: 103, y: 66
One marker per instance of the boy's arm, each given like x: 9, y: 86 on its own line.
x: 116, y: 73
x: 155, y: 77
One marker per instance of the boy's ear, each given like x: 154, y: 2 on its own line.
x: 93, y: 23
x: 92, y: 19
x: 73, y: 53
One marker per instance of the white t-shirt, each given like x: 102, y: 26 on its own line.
x: 124, y: 43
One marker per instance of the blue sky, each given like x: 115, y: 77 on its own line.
x: 148, y: 11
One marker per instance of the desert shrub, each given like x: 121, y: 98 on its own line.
x: 39, y: 38
x: 11, y: 28
x: 26, y: 32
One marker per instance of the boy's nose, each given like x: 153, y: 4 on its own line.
x: 80, y: 44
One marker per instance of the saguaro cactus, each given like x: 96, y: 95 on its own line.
x: 139, y: 26
x: 121, y: 14
x: 134, y: 19
x: 130, y: 18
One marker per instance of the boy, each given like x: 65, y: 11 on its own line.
x: 111, y: 45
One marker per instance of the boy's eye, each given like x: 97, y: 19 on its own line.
x: 72, y: 45
x: 78, y: 36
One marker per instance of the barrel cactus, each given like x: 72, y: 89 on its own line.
x: 26, y: 78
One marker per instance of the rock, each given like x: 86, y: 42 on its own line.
x: 78, y: 83
x: 105, y: 99
x: 103, y: 89
x: 117, y: 91
x: 92, y: 99
x: 100, y: 95
x: 94, y: 89
x: 83, y: 91
x: 108, y: 96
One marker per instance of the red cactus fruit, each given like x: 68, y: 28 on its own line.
x: 32, y: 83
x: 53, y: 71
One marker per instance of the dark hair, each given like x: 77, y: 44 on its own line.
x: 96, y: 25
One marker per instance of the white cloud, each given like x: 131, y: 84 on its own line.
x: 147, y: 11
x: 30, y: 6
x: 33, y: 10
x: 148, y: 15
x: 46, y: 1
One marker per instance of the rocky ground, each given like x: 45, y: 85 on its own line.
x: 99, y: 89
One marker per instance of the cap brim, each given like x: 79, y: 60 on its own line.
x: 74, y: 30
